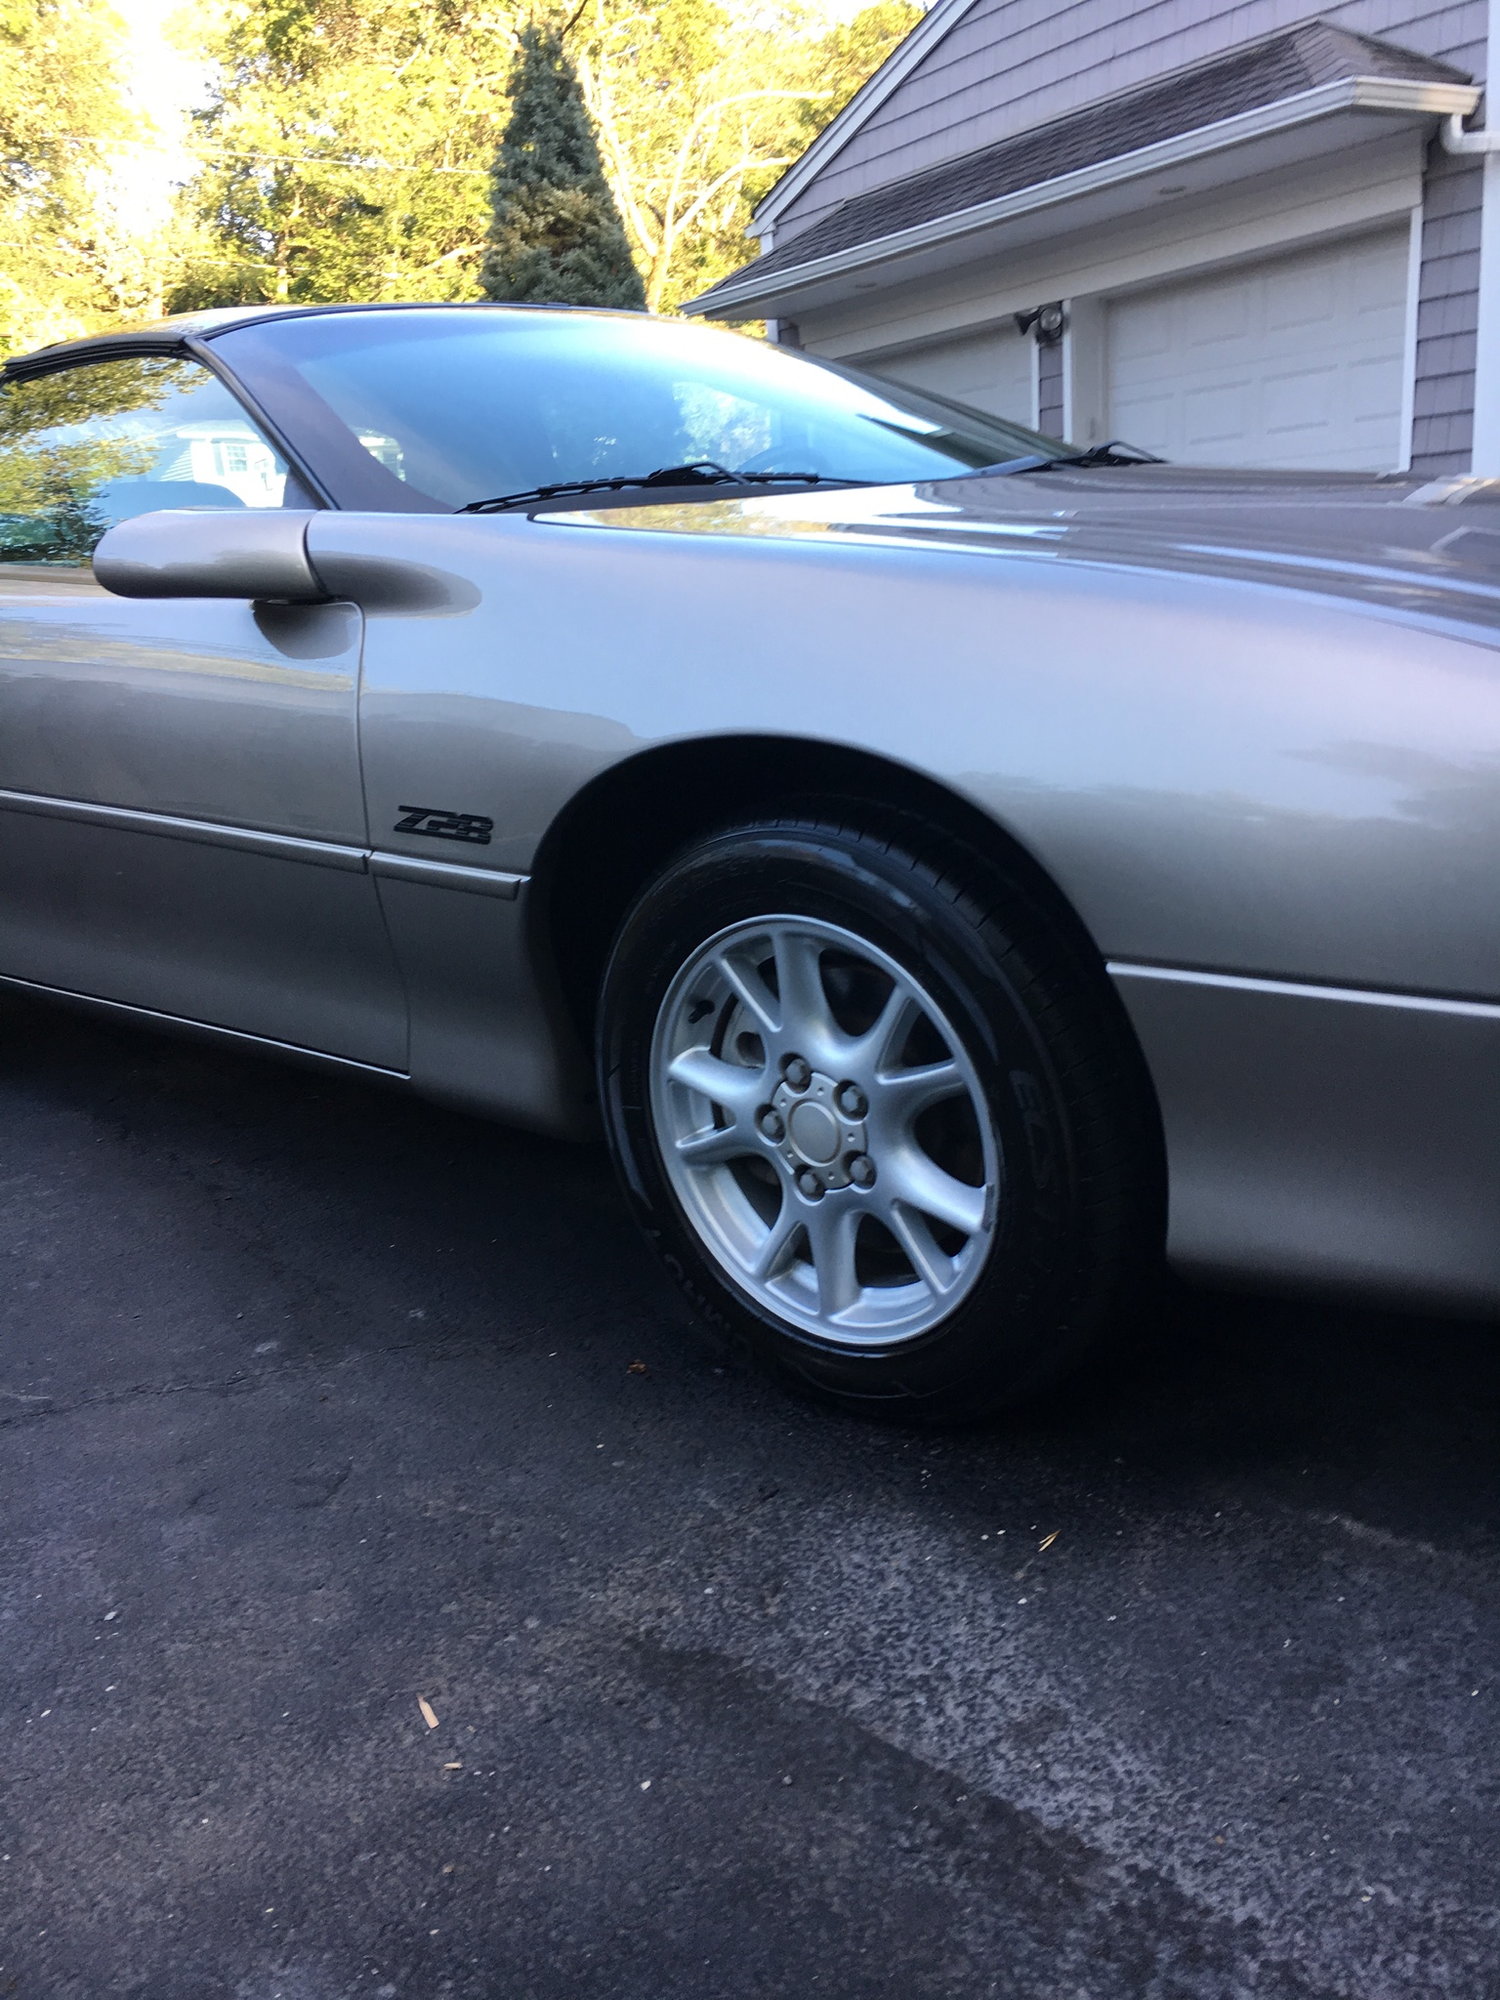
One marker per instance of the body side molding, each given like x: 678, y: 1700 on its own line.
x: 447, y: 875
x: 282, y: 846
x: 1295, y: 989
x: 204, y: 832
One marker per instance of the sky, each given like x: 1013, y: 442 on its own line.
x: 165, y: 84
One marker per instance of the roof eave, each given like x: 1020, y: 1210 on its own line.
x: 867, y: 100
x: 1396, y: 97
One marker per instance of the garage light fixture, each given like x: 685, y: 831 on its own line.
x: 1047, y: 323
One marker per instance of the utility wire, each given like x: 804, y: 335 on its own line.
x: 285, y: 159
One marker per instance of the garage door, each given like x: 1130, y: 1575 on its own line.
x: 1297, y: 361
x: 990, y: 370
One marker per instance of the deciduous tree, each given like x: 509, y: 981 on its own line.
x: 62, y: 112
x: 700, y: 107
x: 345, y: 150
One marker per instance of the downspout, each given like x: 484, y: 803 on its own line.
x: 1485, y: 145
x: 1457, y: 138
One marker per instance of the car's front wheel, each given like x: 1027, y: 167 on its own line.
x: 875, y: 1113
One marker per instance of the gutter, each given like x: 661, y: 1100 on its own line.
x: 1392, y: 95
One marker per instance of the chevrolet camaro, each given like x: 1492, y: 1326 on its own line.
x: 955, y: 870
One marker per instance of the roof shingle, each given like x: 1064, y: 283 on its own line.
x: 1245, y: 79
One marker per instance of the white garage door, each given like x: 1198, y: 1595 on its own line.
x: 990, y: 370
x: 1297, y: 361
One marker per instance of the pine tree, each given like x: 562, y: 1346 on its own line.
x: 556, y: 235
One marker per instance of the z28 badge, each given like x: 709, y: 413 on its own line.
x: 444, y: 825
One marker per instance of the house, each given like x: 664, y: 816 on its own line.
x: 1222, y: 231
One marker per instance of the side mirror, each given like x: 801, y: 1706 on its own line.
x: 242, y: 552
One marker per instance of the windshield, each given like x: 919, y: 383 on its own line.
x: 446, y: 406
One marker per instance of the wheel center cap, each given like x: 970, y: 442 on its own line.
x: 815, y: 1134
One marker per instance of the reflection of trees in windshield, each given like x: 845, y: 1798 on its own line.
x: 81, y: 395
x: 48, y: 498
x: 56, y: 520
x: 48, y: 480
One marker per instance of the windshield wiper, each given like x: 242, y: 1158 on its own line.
x: 1115, y: 452
x: 701, y: 472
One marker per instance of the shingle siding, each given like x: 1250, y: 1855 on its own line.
x: 1442, y: 432
x: 1050, y: 390
x: 1448, y: 442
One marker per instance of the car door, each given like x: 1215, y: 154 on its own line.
x: 181, y: 821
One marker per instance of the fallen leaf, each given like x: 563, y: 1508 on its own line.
x: 427, y: 1711
x: 1047, y: 1540
x: 637, y: 1368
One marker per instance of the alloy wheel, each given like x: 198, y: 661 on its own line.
x: 824, y: 1130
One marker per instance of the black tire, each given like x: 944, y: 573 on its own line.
x: 1065, y: 1087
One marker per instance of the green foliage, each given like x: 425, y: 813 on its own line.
x: 57, y: 448
x: 60, y: 108
x: 347, y: 140
x: 701, y: 106
x: 556, y: 234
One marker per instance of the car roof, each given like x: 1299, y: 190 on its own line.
x: 159, y: 336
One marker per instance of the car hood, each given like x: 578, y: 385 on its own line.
x: 1398, y: 542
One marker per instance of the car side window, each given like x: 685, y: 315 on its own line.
x: 91, y: 445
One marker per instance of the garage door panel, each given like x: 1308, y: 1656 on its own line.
x: 989, y: 370
x: 1295, y: 361
x: 1369, y: 390
x: 1217, y: 315
x: 1214, y: 416
x: 1369, y: 272
x: 1299, y: 400
x: 1143, y: 333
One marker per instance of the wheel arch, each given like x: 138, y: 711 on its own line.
x: 618, y: 830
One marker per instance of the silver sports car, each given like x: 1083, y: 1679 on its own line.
x: 954, y: 869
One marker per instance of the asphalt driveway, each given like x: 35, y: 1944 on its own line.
x: 398, y: 1598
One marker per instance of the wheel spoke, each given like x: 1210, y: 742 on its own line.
x: 920, y: 1183
x: 831, y: 1228
x: 730, y: 1085
x: 933, y: 1266
x: 883, y: 1041
x: 750, y: 990
x: 715, y: 1144
x: 806, y: 1016
x: 771, y: 1254
x: 905, y: 1095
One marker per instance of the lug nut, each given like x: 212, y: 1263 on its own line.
x: 770, y: 1122
x: 797, y: 1071
x: 860, y: 1169
x: 809, y: 1183
x: 851, y: 1100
